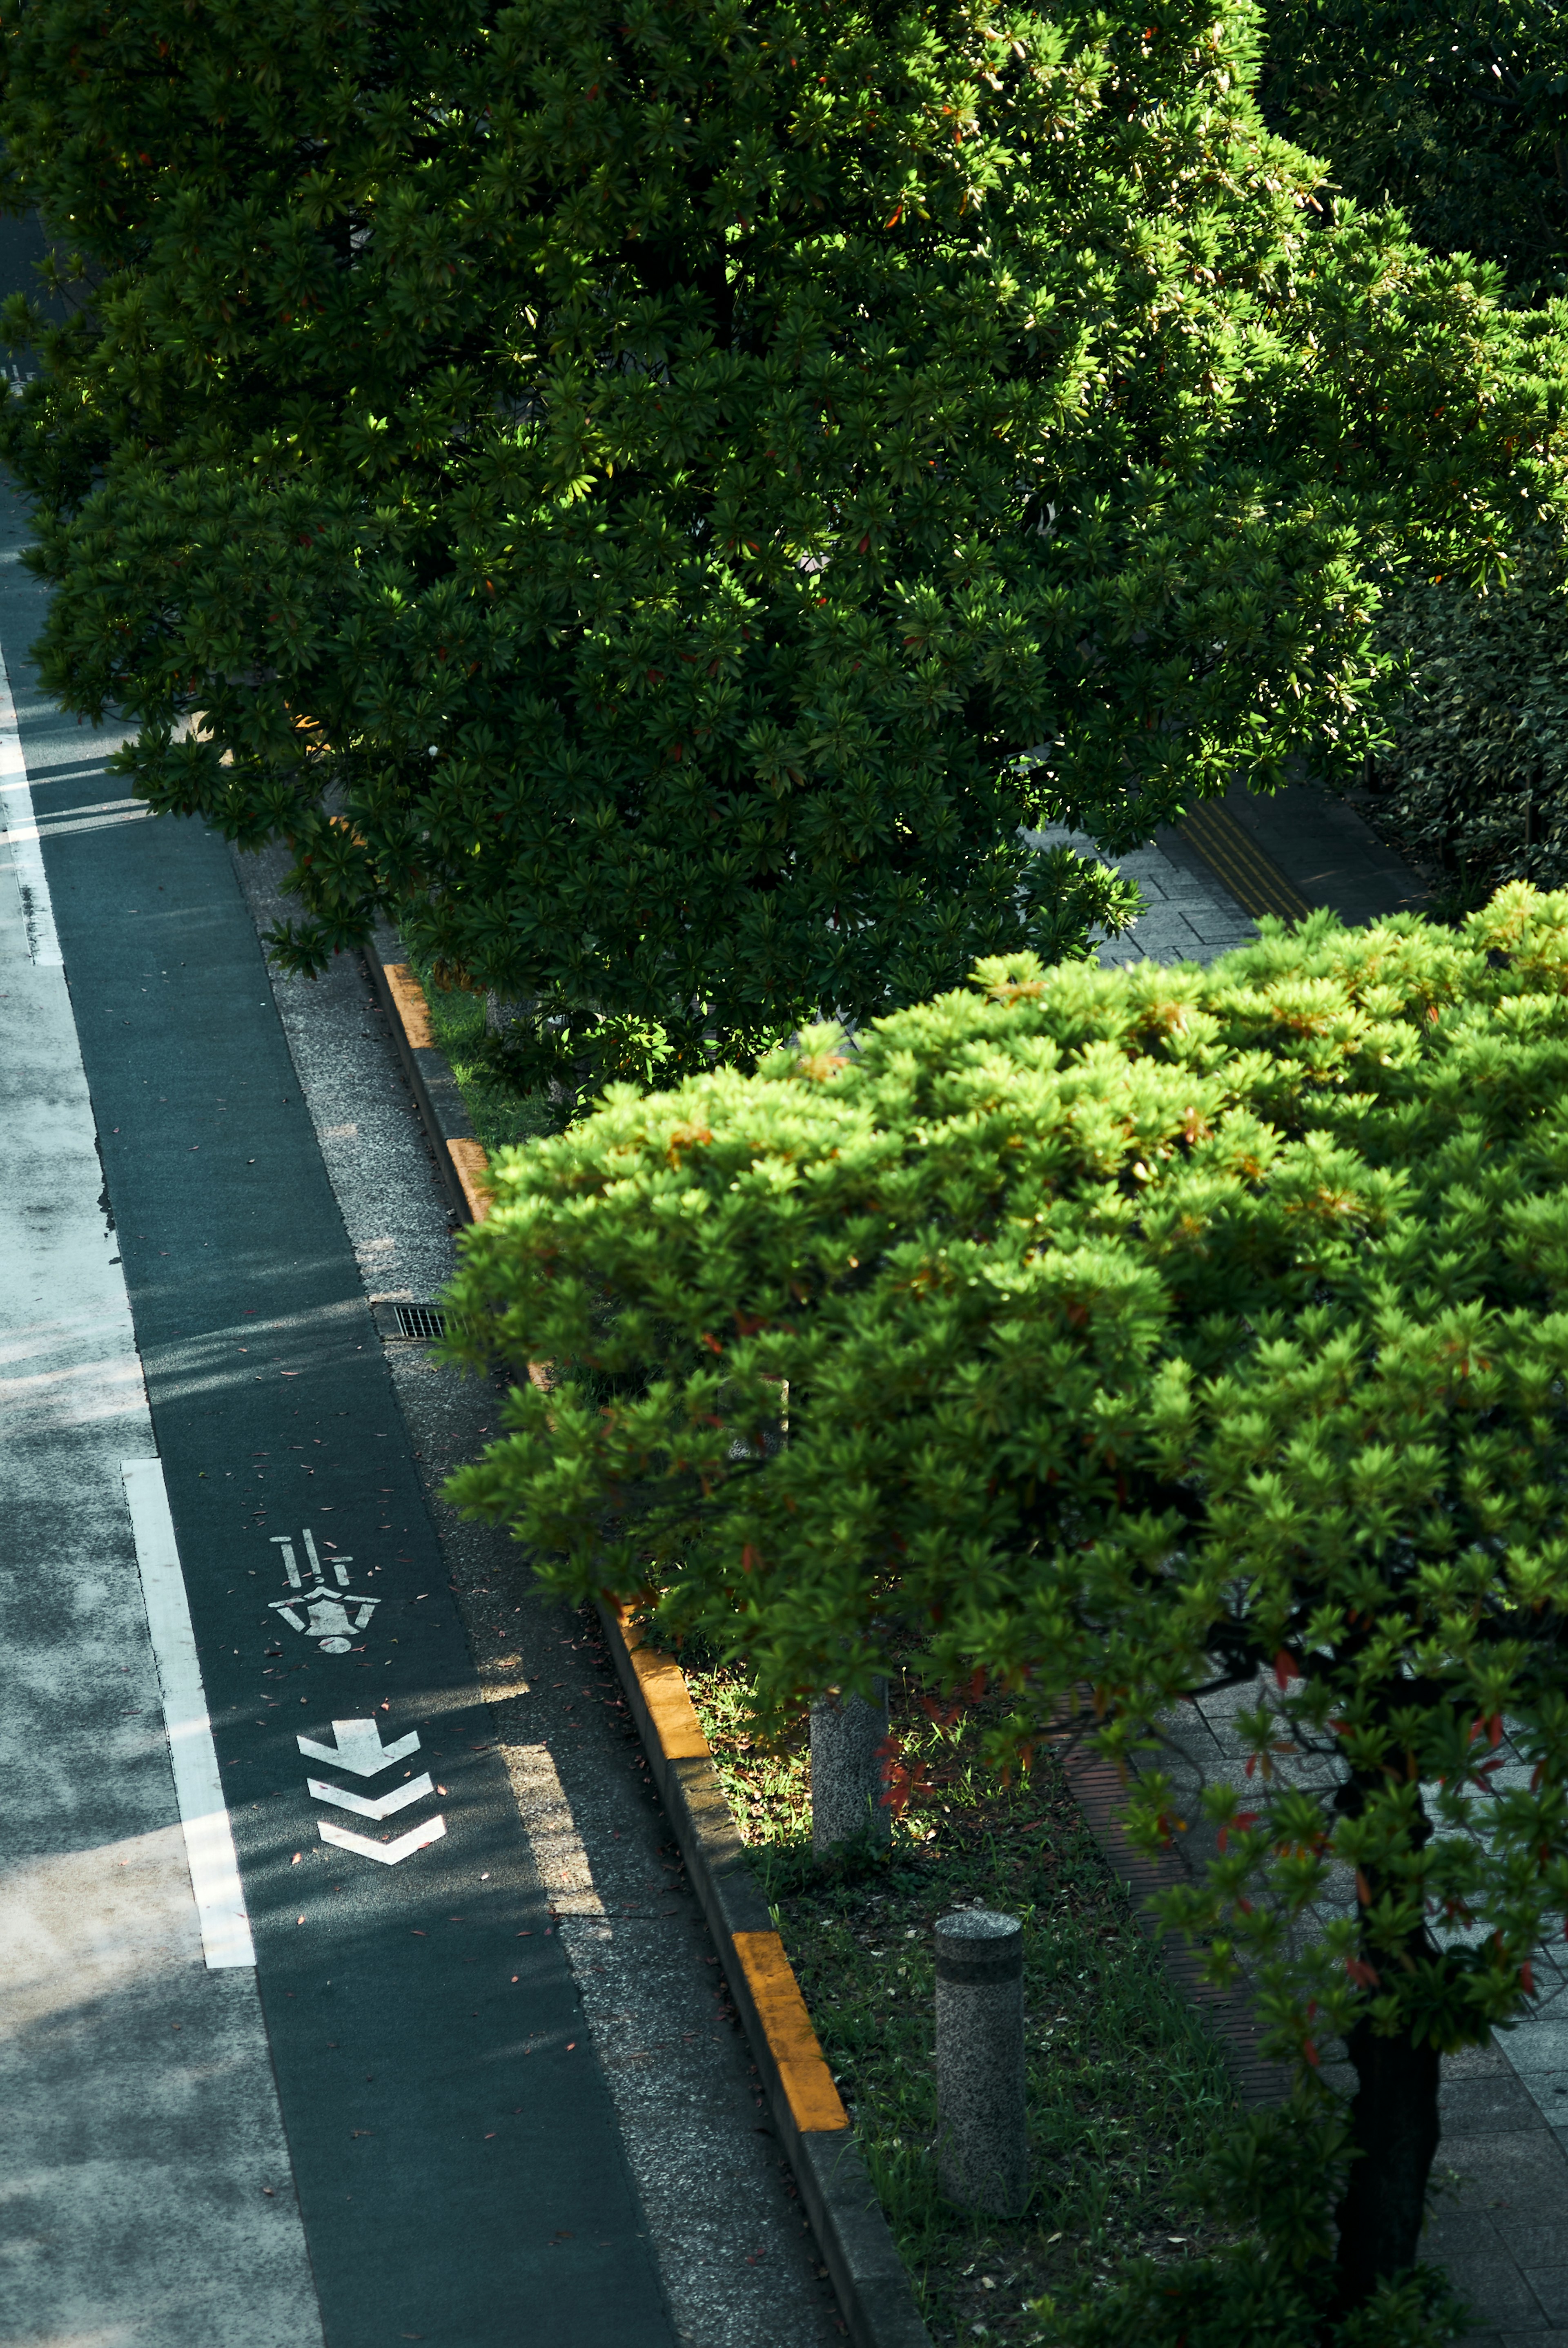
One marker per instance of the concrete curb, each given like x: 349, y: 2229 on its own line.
x: 459, y: 1155
x: 869, y: 2278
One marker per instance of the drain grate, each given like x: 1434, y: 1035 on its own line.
x: 419, y: 1321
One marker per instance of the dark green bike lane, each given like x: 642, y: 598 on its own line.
x: 459, y: 2170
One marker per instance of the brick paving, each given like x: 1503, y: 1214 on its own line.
x: 1500, y: 2216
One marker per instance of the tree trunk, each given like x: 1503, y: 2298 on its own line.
x: 1394, y: 2127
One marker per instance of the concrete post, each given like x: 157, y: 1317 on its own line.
x: 982, y: 2129
x: 848, y: 1776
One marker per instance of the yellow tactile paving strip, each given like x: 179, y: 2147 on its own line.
x: 1254, y: 879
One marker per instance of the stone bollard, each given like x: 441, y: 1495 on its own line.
x: 982, y: 2129
x: 848, y: 1775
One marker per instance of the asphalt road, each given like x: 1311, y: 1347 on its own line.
x: 462, y: 2069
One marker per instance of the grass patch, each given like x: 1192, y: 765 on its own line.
x: 501, y: 1117
x: 1126, y: 2091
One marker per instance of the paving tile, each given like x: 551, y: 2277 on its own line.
x: 1457, y: 2227
x: 1494, y: 2099
x: 1519, y: 2180
x: 1496, y: 2292
x: 1549, y: 2284
x: 1532, y: 2246
x: 1540, y: 2047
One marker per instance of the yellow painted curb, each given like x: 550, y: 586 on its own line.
x: 869, y: 2277
x: 813, y: 2100
x: 474, y: 1174
x: 790, y: 2044
x: 469, y: 1163
x: 408, y: 999
x: 665, y: 1692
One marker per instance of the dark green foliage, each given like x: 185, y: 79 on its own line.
x: 1273, y: 2173
x: 652, y: 471
x: 1456, y: 112
x: 1128, y: 1328
x: 1475, y: 784
x: 1222, y: 2303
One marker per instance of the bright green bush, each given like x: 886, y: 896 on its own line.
x: 654, y: 467
x: 1120, y: 1329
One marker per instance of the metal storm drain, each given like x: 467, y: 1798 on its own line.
x: 419, y: 1321
x: 402, y: 1324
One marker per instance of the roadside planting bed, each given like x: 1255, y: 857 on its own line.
x: 1126, y: 2089
x: 502, y: 1118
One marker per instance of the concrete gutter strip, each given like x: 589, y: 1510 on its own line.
x: 870, y: 2279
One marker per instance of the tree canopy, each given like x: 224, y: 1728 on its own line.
x: 1129, y: 1330
x: 654, y: 496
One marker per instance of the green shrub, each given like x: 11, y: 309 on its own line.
x: 1119, y: 1331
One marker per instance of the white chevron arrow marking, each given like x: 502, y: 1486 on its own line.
x: 359, y: 1748
x: 366, y: 1805
x: 389, y: 1853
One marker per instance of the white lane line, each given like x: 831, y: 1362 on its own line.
x: 208, y: 1839
x: 21, y: 835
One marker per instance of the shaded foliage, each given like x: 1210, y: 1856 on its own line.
x: 1457, y: 112
x: 1474, y: 784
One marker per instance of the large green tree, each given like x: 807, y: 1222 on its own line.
x: 655, y: 494
x: 1129, y: 1331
